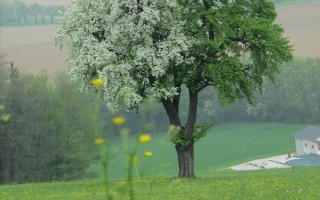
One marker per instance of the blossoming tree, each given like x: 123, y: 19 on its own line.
x: 143, y: 48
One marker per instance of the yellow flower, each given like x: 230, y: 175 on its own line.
x: 118, y: 120
x: 148, y: 153
x: 144, y: 138
x: 135, y: 160
x: 99, y: 141
x: 97, y: 82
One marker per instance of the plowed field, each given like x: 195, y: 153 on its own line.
x: 32, y: 49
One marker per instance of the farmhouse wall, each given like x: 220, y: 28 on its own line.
x: 299, y: 147
x: 309, y: 147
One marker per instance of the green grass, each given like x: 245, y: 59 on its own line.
x: 225, y: 146
x: 233, y: 144
x: 262, y: 184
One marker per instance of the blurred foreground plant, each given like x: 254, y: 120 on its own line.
x: 130, y: 147
x: 4, y: 116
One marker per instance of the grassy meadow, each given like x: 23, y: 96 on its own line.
x: 262, y: 184
x: 224, y: 146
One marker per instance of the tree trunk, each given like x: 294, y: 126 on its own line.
x: 186, y: 160
x: 185, y: 153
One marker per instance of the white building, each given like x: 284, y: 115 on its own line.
x: 308, y: 141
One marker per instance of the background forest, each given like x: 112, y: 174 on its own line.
x: 49, y: 134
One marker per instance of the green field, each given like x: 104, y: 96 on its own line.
x: 262, y: 184
x: 224, y: 146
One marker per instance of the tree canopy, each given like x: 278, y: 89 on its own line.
x: 145, y: 48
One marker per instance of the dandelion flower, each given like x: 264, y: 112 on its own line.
x: 97, y: 82
x: 99, y: 141
x: 144, y: 138
x: 118, y: 120
x: 148, y: 153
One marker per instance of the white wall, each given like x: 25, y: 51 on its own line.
x: 299, y: 147
x: 309, y: 147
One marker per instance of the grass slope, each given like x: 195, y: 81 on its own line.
x: 233, y: 144
x: 225, y: 146
x: 262, y: 184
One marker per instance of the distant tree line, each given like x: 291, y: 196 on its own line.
x: 19, y: 13
x: 295, y: 98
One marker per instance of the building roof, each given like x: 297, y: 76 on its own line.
x: 309, y: 133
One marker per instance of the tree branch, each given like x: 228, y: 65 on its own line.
x: 171, y: 112
x: 210, y: 32
x: 176, y: 100
x: 242, y: 39
x: 192, y: 115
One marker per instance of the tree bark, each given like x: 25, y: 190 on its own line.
x: 185, y: 151
x: 186, y: 160
x: 171, y: 111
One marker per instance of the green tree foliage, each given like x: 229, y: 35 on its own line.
x: 45, y: 139
x: 154, y: 48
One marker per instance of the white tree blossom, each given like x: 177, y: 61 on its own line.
x: 132, y: 45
